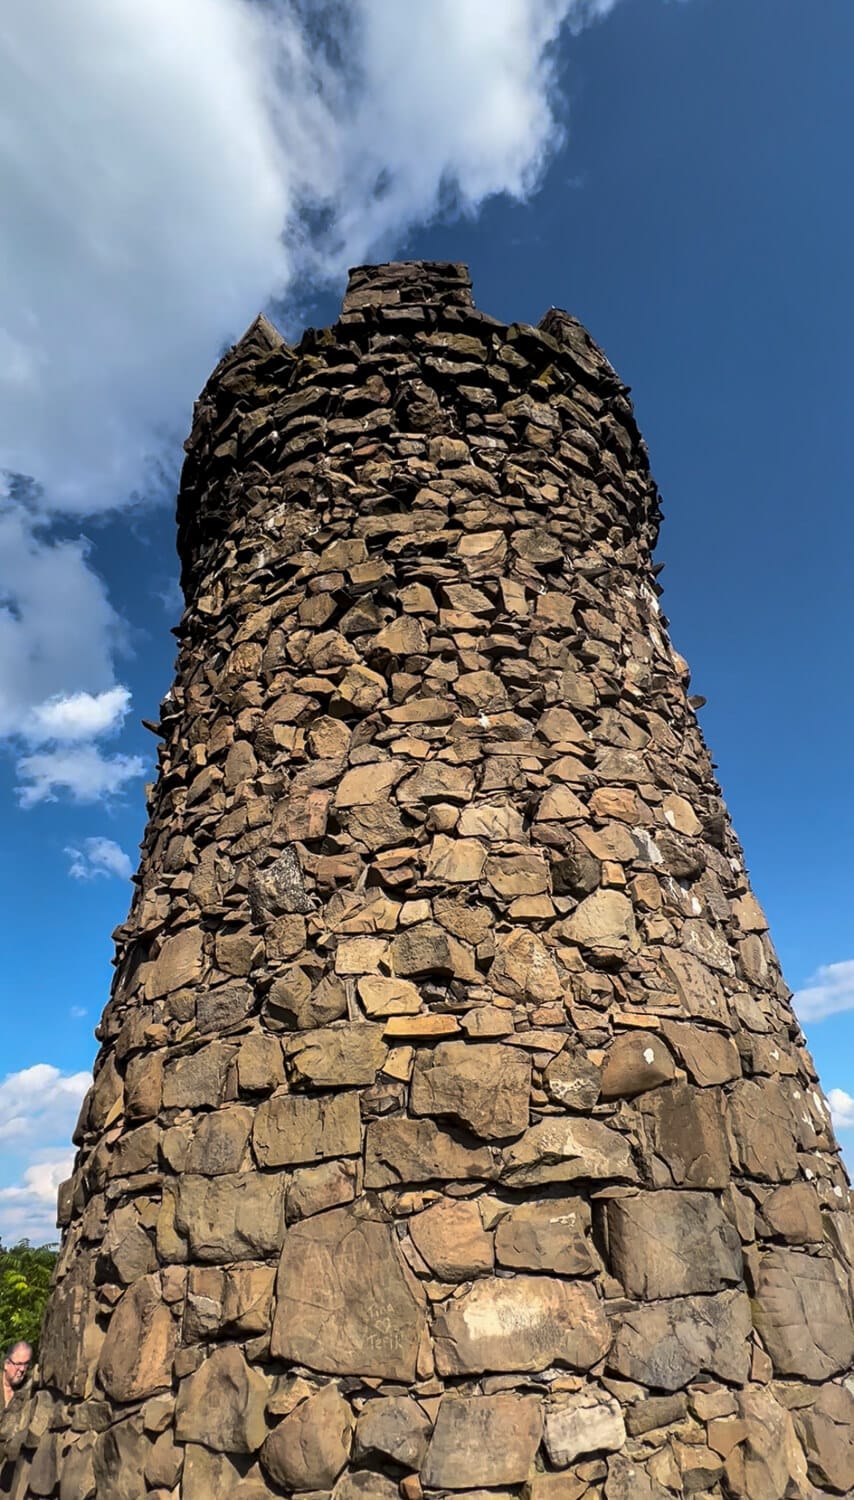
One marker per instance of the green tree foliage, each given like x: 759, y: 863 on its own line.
x: 25, y: 1273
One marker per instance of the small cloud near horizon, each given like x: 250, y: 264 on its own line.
x: 841, y: 1109
x: 99, y: 856
x: 828, y: 992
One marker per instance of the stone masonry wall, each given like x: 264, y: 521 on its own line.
x: 452, y: 1131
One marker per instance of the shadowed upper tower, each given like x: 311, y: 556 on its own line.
x: 452, y: 1130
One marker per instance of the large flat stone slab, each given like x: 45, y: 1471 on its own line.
x: 520, y: 1323
x: 483, y: 1440
x: 671, y: 1244
x: 346, y: 1303
x: 667, y: 1344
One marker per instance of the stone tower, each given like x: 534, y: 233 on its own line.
x: 452, y: 1131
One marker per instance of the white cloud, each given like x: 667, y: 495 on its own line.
x: 85, y: 773
x: 38, y: 1110
x: 841, y: 1109
x: 99, y: 856
x: 58, y: 629
x: 828, y: 992
x: 167, y: 169
x: 58, y: 635
x: 28, y: 1207
x: 40, y: 1102
x: 78, y: 716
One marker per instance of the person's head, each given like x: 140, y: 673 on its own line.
x: 16, y: 1366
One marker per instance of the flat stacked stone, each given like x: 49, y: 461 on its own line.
x: 452, y: 1131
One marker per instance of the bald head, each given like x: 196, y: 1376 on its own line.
x: 16, y: 1366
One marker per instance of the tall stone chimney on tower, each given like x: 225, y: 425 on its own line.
x: 452, y: 1132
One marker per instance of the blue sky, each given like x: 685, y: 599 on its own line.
x: 696, y: 216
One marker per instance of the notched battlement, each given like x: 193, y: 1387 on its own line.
x: 410, y: 359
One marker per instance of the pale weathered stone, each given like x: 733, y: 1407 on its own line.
x: 589, y: 1422
x: 563, y: 1150
x: 524, y: 969
x: 388, y: 996
x: 793, y: 1213
x: 493, y: 821
x: 559, y: 1485
x: 178, y: 963
x: 512, y: 875
x: 520, y: 1323
x: 604, y: 922
x: 218, y: 1476
x: 346, y: 1304
x: 313, y: 1189
x: 457, y: 861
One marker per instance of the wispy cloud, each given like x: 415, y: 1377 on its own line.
x: 84, y: 773
x: 99, y: 856
x: 828, y: 992
x: 841, y: 1109
x: 38, y: 1109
